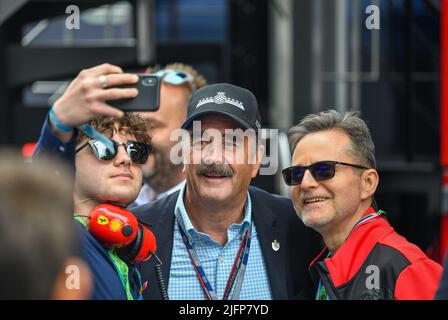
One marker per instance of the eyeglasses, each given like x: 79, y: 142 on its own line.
x: 176, y: 77
x: 137, y: 151
x: 322, y: 170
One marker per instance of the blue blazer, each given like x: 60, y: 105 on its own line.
x: 274, y: 218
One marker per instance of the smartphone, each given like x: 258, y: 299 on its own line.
x: 148, y: 98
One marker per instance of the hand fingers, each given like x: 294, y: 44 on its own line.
x: 119, y: 79
x: 115, y: 93
x: 105, y: 68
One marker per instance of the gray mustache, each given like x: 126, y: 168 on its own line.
x: 214, y: 169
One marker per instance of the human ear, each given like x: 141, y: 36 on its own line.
x: 369, y: 183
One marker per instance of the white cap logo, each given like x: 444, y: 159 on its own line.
x: 221, y: 98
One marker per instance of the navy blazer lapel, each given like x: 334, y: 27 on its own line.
x: 272, y: 237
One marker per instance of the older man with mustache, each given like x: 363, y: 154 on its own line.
x: 218, y: 237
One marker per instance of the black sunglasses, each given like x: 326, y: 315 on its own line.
x: 137, y: 151
x: 322, y: 170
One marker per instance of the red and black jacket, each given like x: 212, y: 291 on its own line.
x: 376, y: 263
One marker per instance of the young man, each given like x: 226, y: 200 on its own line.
x: 333, y: 179
x: 205, y: 229
x: 178, y: 82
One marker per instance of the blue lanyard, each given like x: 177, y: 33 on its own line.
x: 237, y: 271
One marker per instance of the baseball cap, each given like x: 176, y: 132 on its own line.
x: 224, y: 99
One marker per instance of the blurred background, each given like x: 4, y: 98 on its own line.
x: 297, y: 56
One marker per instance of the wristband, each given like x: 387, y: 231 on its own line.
x: 58, y: 124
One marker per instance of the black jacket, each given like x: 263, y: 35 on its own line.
x: 274, y: 218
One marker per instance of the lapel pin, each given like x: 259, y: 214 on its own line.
x: 275, y: 245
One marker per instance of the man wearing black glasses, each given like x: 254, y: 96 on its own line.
x: 333, y: 179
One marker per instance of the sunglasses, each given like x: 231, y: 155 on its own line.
x: 322, y: 170
x: 176, y: 77
x: 137, y: 151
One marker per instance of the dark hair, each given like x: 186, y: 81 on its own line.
x: 36, y: 226
x: 199, y: 79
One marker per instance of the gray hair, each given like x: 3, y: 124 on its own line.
x: 350, y: 123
